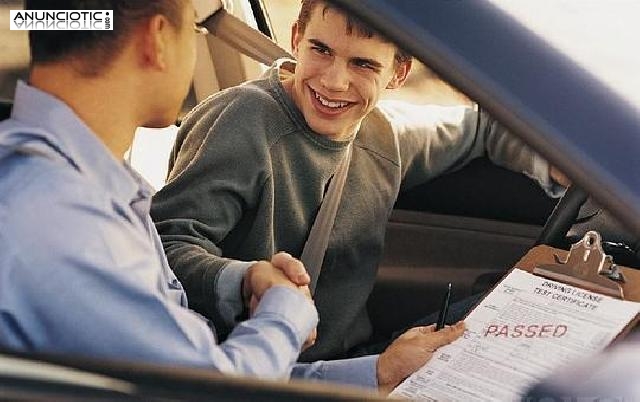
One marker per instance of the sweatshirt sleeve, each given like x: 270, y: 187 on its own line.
x: 434, y: 140
x: 217, y: 173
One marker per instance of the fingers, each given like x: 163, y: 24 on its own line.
x: 311, y: 340
x: 292, y: 268
x: 559, y: 177
x: 433, y: 339
x: 411, y: 351
x: 446, y: 335
x: 261, y: 276
x: 424, y: 330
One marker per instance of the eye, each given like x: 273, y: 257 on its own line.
x: 365, y: 65
x: 320, y: 49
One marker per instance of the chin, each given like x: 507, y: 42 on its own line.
x: 161, y: 122
x: 329, y: 131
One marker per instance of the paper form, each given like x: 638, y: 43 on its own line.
x: 523, y: 330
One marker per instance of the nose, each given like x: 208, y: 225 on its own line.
x: 335, y: 77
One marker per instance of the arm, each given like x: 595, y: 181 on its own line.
x: 202, y: 206
x: 100, y: 290
x: 403, y: 357
x: 437, y: 139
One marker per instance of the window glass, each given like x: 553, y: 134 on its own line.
x: 599, y: 35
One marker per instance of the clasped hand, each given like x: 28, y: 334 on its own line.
x: 282, y: 270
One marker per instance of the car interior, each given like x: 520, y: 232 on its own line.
x: 466, y: 228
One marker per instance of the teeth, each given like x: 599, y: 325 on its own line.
x: 330, y: 103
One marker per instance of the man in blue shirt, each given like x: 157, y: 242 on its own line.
x: 82, y: 269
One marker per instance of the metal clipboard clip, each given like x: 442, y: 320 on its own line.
x: 587, y: 267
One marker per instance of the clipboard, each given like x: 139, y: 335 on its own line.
x: 489, y: 366
x: 586, y: 266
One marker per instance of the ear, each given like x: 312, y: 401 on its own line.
x: 400, y: 74
x: 154, y: 37
x: 296, y: 37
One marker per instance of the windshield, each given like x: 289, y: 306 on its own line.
x: 601, y: 36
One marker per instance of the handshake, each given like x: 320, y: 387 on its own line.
x: 403, y: 356
x: 282, y: 270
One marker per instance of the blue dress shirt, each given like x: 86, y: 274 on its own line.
x: 82, y: 269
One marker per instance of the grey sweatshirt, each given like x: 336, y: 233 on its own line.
x: 248, y: 175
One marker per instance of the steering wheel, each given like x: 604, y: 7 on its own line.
x: 562, y: 217
x: 563, y: 227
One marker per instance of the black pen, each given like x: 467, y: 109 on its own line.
x: 442, y: 318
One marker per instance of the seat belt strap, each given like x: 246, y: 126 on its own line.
x: 316, y: 246
x: 244, y: 38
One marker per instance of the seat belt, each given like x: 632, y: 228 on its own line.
x: 316, y: 246
x: 244, y: 38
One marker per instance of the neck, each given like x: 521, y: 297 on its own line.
x: 103, y: 102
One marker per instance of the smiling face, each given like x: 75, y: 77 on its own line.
x: 339, y: 76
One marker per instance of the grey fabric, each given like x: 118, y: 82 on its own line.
x: 248, y: 176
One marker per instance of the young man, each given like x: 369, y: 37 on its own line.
x: 82, y: 269
x: 251, y: 166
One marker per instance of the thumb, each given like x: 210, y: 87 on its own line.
x: 292, y: 268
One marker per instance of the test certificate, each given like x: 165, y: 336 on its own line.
x: 523, y: 330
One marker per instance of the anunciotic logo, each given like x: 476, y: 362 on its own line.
x: 61, y: 20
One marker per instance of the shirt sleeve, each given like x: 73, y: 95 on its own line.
x: 228, y: 285
x: 99, y: 291
x: 359, y: 371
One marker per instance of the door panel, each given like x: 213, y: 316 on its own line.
x: 466, y: 228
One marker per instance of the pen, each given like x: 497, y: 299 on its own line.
x: 442, y: 318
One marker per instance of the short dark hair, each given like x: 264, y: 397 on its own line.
x: 95, y: 49
x: 354, y: 24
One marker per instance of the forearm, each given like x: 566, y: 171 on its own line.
x: 213, y: 284
x: 268, y: 344
x: 507, y: 150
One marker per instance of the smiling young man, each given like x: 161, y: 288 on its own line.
x: 251, y: 166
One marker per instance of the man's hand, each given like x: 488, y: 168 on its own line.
x: 292, y: 268
x: 410, y: 351
x: 559, y: 177
x: 284, y: 270
x: 260, y: 277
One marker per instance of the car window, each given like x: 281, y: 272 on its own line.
x: 600, y: 36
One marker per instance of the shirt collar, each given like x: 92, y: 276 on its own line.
x: 74, y: 139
